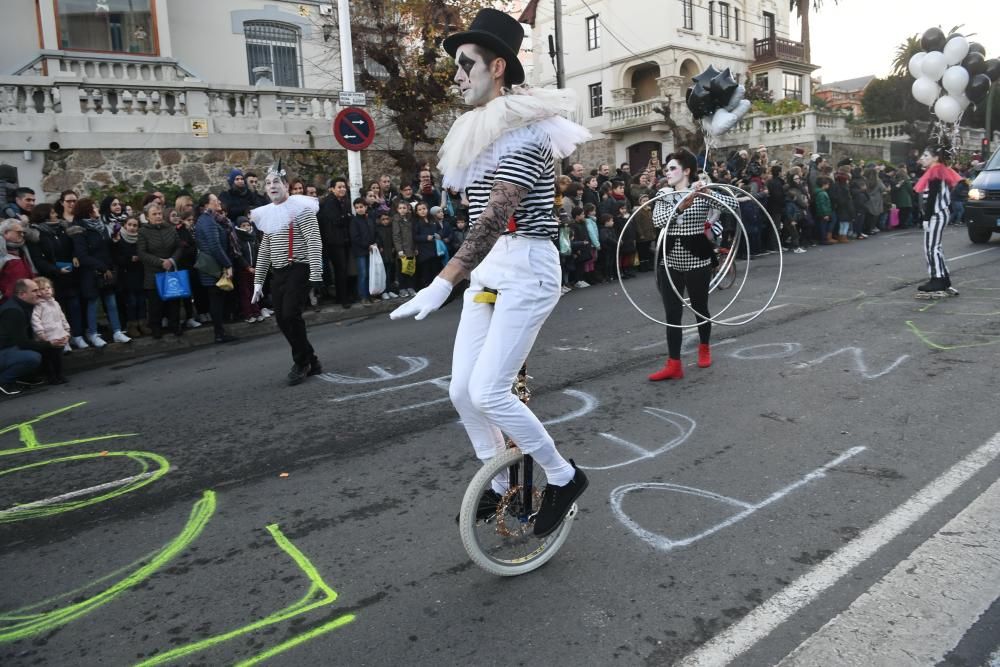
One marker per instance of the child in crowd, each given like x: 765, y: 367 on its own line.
x: 627, y: 235
x: 609, y: 250
x: 565, y: 251
x: 383, y: 239
x: 362, y: 233
x: 49, y: 324
x: 458, y: 233
x: 246, y: 236
x: 580, y: 242
x: 590, y: 220
x: 130, y: 277
x: 824, y: 209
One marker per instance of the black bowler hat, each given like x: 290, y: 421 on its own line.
x: 498, y: 32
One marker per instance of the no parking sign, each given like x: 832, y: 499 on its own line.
x: 354, y: 129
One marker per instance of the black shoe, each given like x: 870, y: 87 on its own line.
x: 487, y: 506
x: 297, y: 374
x: 557, y: 501
x: 225, y: 338
x: 9, y: 389
x: 29, y: 382
x: 934, y: 285
x: 315, y: 368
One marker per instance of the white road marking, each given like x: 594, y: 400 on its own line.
x: 664, y: 543
x: 777, y: 609
x: 970, y: 254
x: 921, y: 610
x: 414, y: 366
x: 75, y: 494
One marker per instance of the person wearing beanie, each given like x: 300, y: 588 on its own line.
x: 238, y: 199
x: 502, y: 153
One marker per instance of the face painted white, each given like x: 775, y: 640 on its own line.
x: 276, y: 188
x: 473, y: 76
x: 926, y: 160
x: 675, y: 174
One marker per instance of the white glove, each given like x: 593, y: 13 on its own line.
x: 425, y: 302
x: 258, y: 292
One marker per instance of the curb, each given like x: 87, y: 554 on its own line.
x: 139, y: 348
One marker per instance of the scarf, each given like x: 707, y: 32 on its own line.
x: 230, y: 231
x: 937, y: 172
x: 95, y: 225
x: 20, y: 253
x: 128, y: 237
x: 481, y: 137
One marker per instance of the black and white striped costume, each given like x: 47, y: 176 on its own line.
x: 530, y: 167
x: 307, y: 248
x: 936, y: 211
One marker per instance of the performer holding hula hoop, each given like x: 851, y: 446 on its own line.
x: 688, y: 255
x: 502, y: 152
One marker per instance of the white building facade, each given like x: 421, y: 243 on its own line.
x: 99, y: 92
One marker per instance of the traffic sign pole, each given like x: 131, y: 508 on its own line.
x: 347, y: 65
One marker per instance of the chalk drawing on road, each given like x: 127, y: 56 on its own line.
x: 16, y: 625
x: 682, y: 423
x: 320, y: 594
x: 29, y: 439
x: 741, y: 508
x: 859, y: 362
x: 575, y: 349
x: 590, y: 403
x: 925, y: 338
x: 766, y: 351
x: 413, y: 366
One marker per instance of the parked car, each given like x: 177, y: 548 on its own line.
x: 982, y: 210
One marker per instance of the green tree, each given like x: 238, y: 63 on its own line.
x: 802, y: 8
x: 399, y: 56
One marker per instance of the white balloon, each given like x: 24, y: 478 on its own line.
x: 915, y: 63
x: 722, y: 120
x: 963, y: 101
x: 925, y: 90
x: 956, y: 49
x: 955, y: 79
x: 934, y: 65
x: 948, y: 109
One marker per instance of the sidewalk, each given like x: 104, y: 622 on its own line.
x: 116, y: 353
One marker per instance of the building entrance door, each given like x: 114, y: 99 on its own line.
x: 639, y: 154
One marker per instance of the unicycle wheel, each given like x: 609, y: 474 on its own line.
x: 504, y: 544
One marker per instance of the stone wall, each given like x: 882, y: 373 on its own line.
x: 90, y: 170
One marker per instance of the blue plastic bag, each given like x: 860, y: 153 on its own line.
x: 173, y: 285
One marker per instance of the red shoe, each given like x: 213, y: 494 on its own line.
x: 704, y: 355
x: 671, y: 371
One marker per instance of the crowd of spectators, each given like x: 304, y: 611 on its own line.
x: 86, y: 256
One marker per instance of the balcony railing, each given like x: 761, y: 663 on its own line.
x: 105, y: 66
x: 636, y: 115
x: 776, y: 48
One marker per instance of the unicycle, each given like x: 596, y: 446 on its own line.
x: 504, y: 542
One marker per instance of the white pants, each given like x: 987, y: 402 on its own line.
x: 493, y: 341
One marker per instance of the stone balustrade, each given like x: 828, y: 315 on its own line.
x: 635, y: 115
x: 36, y: 111
x: 884, y: 131
x: 105, y: 67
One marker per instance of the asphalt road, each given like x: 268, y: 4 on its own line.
x: 315, y: 524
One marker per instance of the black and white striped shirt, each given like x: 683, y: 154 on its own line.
x: 689, y: 222
x: 307, y: 248
x: 529, y: 166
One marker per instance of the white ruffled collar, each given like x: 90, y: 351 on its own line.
x: 275, y: 218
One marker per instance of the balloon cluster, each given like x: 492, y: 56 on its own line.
x: 956, y: 64
x: 717, y: 101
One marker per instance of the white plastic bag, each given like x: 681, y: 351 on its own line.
x: 376, y: 273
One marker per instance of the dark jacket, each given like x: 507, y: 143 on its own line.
x: 426, y: 250
x: 362, y: 235
x: 157, y: 243
x: 93, y: 249
x: 843, y: 205
x: 15, y: 327
x: 55, y: 244
x: 383, y: 237
x: 130, y: 272
x: 334, y: 217
x: 249, y: 244
x: 626, y: 234
x: 238, y: 202
x: 212, y: 239
x: 188, y: 247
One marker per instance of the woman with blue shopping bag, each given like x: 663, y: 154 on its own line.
x: 159, y: 251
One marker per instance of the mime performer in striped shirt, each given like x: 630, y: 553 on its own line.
x: 502, y: 154
x: 292, y: 251
x: 935, y: 189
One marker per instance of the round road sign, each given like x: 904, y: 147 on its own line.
x: 354, y: 129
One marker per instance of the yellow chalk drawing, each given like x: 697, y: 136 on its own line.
x: 925, y: 339
x: 30, y: 441
x: 33, y: 624
x: 53, y: 506
x: 317, y: 589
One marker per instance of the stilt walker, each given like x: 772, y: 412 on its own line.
x: 502, y: 153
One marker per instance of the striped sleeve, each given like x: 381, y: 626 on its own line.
x: 308, y: 227
x: 524, y: 167
x: 263, y: 260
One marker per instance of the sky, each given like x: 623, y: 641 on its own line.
x: 855, y: 38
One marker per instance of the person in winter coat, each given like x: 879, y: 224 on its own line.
x: 425, y: 233
x: 902, y: 197
x: 824, y: 210
x: 112, y: 214
x: 238, y: 199
x: 53, y: 257
x: 92, y: 249
x: 627, y: 237
x: 874, y: 220
x: 404, y: 246
x: 15, y: 261
x: 213, y: 240
x: 49, y: 324
x: 383, y: 237
x: 843, y: 206
x: 581, y: 248
x: 189, y: 306
x: 246, y: 235
x: 859, y: 195
x: 159, y: 250
x: 959, y: 195
x: 362, y: 232
x: 130, y: 277
x: 334, y: 218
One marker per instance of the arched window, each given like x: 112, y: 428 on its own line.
x: 275, y: 45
